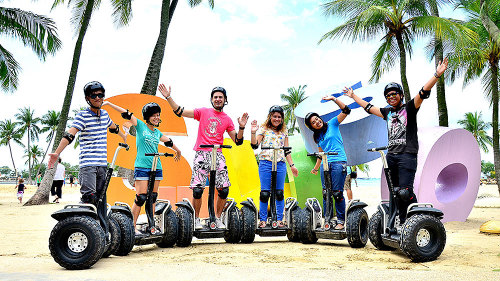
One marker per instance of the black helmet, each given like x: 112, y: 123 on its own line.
x: 307, y: 119
x: 276, y: 108
x: 90, y: 87
x: 149, y: 109
x: 393, y: 86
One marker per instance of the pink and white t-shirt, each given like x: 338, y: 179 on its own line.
x: 212, y: 126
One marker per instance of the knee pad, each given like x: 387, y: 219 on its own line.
x: 154, y: 196
x: 223, y: 192
x: 89, y: 198
x: 402, y: 193
x: 338, y: 195
x: 264, y: 196
x: 280, y: 195
x: 197, y: 192
x: 140, y: 199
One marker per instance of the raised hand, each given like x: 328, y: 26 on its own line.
x: 329, y: 97
x: 348, y: 92
x: 177, y: 156
x: 52, y: 159
x: 242, y: 121
x: 255, y: 126
x: 164, y: 91
x: 442, y: 66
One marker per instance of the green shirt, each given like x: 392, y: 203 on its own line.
x: 147, y: 142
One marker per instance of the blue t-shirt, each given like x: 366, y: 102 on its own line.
x: 93, y: 137
x: 147, y: 142
x: 331, y: 141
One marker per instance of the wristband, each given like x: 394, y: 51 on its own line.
x: 242, y: 128
x: 168, y: 97
x: 292, y: 165
x: 436, y: 75
x: 315, y: 170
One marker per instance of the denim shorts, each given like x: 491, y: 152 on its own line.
x: 142, y: 174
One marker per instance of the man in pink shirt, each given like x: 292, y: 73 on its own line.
x: 213, y: 124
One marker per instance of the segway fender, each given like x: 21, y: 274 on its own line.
x: 290, y: 205
x: 313, y: 205
x: 121, y: 209
x: 426, y: 210
x: 249, y: 203
x: 162, y: 206
x: 187, y: 204
x: 74, y: 210
x: 354, y: 204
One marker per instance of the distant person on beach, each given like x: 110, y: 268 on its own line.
x: 351, y: 175
x: 20, y: 190
x: 57, y: 183
x: 272, y: 134
x: 402, y: 130
x: 38, y: 180
x: 328, y: 137
x: 71, y: 180
x: 213, y: 123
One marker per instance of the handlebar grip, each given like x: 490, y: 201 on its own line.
x: 332, y: 153
x: 225, y: 146
x: 311, y: 154
x: 168, y: 155
x: 377, y: 149
x: 124, y: 145
x: 280, y: 147
x: 212, y: 146
x: 149, y: 154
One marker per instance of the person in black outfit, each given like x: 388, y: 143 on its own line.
x: 402, y: 130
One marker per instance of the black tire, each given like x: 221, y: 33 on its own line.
x: 307, y: 235
x: 248, y: 225
x: 293, y: 233
x: 185, y: 224
x: 357, y: 228
x: 77, y: 242
x: 375, y: 231
x: 127, y: 238
x: 423, y: 238
x: 233, y: 227
x: 114, y: 229
x: 171, y: 226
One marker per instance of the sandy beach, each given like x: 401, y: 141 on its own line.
x: 469, y: 254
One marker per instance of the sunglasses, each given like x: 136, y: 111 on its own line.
x: 94, y: 96
x: 391, y: 94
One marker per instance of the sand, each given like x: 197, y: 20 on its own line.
x: 469, y: 254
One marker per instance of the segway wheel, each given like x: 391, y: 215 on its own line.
x: 115, y: 232
x: 307, y: 234
x: 249, y: 225
x: 233, y: 233
x: 293, y: 233
x: 171, y: 227
x: 127, y: 237
x: 375, y: 232
x: 357, y: 228
x: 77, y: 242
x: 423, y: 238
x: 185, y: 224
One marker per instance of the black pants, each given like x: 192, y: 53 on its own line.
x: 403, y: 167
x: 56, y: 188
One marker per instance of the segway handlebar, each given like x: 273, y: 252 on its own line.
x: 377, y: 149
x: 159, y: 154
x: 321, y: 153
x: 279, y: 147
x: 214, y: 145
x: 124, y: 145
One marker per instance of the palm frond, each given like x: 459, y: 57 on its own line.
x: 122, y: 12
x: 9, y: 69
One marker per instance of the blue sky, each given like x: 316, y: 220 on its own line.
x: 255, y: 49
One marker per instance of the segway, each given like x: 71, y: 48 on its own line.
x: 230, y: 214
x: 85, y: 233
x: 312, y: 227
x: 422, y: 237
x: 161, y: 225
x: 292, y: 213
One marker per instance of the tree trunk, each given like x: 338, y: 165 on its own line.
x: 402, y: 62
x: 41, y: 195
x: 440, y: 87
x: 126, y: 173
x: 153, y: 73
x: 29, y: 157
x: 490, y: 26
x: 494, y: 123
x: 12, y: 157
x: 45, y: 154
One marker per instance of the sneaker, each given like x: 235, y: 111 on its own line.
x: 197, y: 224
x: 219, y: 223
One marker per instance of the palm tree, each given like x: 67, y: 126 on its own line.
x: 28, y: 125
x: 82, y: 13
x: 35, y: 31
x: 492, y: 28
x: 365, y: 168
x: 481, y: 60
x: 473, y: 122
x: 399, y: 23
x: 153, y: 73
x: 294, y: 98
x: 50, y: 120
x: 33, y: 155
x: 9, y: 132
